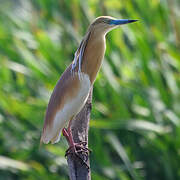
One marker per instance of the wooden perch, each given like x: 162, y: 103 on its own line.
x: 80, y: 126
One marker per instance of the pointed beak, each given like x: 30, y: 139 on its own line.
x: 121, y: 21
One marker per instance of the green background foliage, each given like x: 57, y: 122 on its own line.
x: 135, y: 126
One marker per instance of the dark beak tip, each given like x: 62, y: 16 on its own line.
x: 134, y: 20
x: 122, y: 21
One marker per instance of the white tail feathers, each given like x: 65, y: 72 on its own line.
x: 48, y: 136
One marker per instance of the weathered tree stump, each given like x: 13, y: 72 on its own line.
x: 79, y: 166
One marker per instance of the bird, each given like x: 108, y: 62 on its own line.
x: 72, y: 89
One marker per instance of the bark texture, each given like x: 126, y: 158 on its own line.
x: 78, y: 170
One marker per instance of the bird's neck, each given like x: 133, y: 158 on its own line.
x: 93, y: 55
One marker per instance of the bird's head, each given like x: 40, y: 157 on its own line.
x: 104, y: 24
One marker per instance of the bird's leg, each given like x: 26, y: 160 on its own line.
x: 68, y: 136
x: 75, y: 148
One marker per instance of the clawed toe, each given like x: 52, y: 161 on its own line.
x: 77, y: 150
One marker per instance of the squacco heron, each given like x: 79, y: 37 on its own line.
x: 72, y: 90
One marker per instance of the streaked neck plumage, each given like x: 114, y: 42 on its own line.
x: 90, y: 53
x: 94, y: 54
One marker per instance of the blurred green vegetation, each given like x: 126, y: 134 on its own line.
x: 135, y: 121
